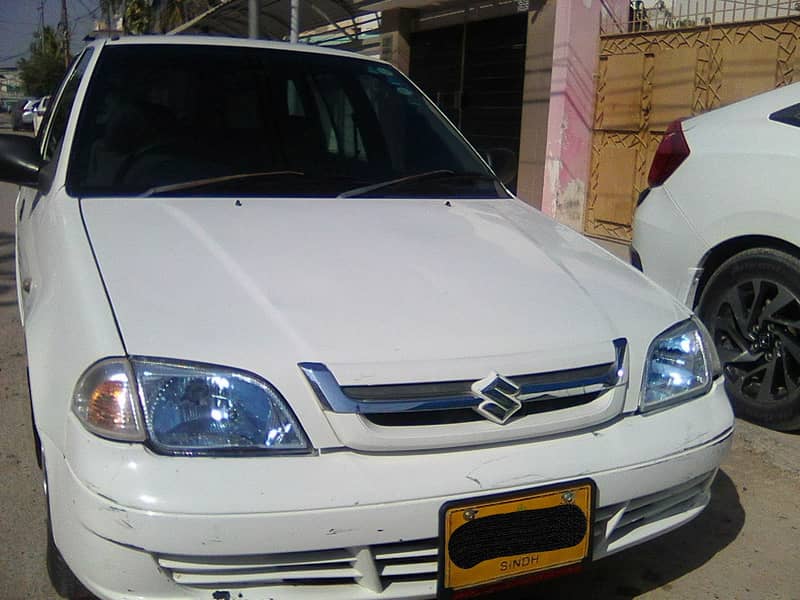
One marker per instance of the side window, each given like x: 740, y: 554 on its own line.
x: 294, y: 104
x: 61, y: 111
x: 789, y: 115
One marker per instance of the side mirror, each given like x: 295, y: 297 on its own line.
x: 19, y: 159
x: 503, y: 162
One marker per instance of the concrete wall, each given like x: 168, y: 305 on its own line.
x: 536, y: 101
x: 395, y: 34
x: 571, y: 110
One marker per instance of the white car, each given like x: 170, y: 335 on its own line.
x: 39, y: 114
x: 322, y: 352
x: 720, y: 229
x: 28, y: 112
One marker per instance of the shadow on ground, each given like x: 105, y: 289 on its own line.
x: 8, y: 295
x: 656, y: 563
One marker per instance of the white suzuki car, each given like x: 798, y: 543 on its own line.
x: 720, y: 229
x: 289, y: 337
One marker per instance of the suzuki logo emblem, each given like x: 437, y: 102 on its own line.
x: 498, y: 397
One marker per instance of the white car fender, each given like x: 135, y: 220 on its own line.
x: 68, y: 322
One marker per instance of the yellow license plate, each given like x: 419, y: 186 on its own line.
x: 488, y: 540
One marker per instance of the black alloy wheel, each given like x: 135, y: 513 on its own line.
x: 751, y: 306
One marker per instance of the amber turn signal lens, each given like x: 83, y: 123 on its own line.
x: 106, y: 401
x: 109, y: 406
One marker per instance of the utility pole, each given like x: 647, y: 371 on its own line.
x: 252, y: 19
x: 294, y: 19
x: 64, y: 26
x: 41, y: 25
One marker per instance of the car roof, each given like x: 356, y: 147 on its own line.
x: 759, y: 106
x: 229, y: 42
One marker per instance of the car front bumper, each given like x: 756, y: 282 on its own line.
x: 346, y: 525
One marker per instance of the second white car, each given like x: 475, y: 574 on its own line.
x: 720, y: 229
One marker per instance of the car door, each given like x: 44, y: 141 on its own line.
x: 31, y: 206
x: 22, y: 212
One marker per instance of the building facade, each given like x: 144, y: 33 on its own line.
x: 514, y: 74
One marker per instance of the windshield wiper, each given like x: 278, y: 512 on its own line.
x: 197, y: 183
x: 437, y: 174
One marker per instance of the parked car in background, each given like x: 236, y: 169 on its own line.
x: 17, y: 111
x: 40, y: 114
x: 322, y: 351
x: 719, y: 227
x: 28, y: 112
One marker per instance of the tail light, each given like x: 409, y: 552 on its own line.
x: 672, y: 151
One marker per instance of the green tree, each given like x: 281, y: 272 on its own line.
x: 43, y: 70
x: 171, y: 13
x: 138, y: 17
x: 111, y: 9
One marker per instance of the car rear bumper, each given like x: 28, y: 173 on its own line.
x: 658, y: 226
x: 371, y: 535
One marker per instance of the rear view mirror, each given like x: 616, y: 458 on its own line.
x: 19, y: 159
x: 503, y: 162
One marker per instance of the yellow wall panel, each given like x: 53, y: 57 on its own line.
x: 622, y: 99
x: 748, y: 68
x: 673, y: 86
x: 650, y: 78
x: 616, y: 175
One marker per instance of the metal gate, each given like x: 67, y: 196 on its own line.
x: 647, y: 79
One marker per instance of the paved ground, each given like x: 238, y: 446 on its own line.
x: 745, y: 546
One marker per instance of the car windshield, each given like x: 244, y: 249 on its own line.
x: 206, y: 120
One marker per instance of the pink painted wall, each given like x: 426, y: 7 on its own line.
x: 571, y: 112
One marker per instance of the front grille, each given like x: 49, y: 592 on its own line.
x: 467, y: 415
x: 375, y: 568
x: 558, y: 388
x: 413, y: 391
x: 496, y: 408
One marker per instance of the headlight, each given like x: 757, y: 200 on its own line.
x: 198, y: 409
x: 681, y: 364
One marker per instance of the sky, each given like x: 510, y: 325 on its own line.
x: 19, y: 19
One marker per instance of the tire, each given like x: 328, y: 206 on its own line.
x: 751, y: 306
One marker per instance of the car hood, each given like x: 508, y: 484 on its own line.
x: 381, y: 291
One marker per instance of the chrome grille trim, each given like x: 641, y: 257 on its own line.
x: 594, y: 379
